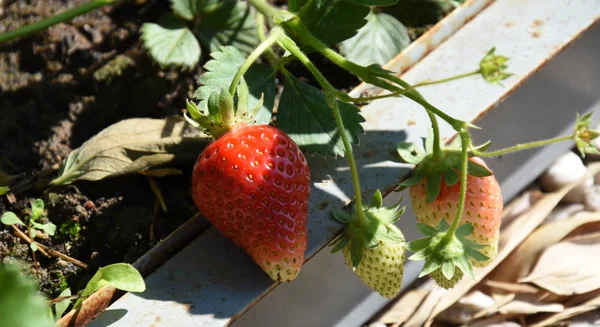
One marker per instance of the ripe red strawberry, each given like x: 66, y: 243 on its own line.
x: 253, y: 184
x: 483, y: 209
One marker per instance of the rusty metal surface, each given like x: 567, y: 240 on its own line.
x: 211, y: 282
x: 146, y: 264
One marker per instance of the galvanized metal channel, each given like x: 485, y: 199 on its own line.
x: 211, y: 282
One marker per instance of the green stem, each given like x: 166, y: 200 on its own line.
x: 291, y: 46
x: 448, y: 79
x: 264, y: 8
x: 276, y: 33
x: 438, y: 154
x: 50, y: 21
x: 520, y: 147
x: 270, y: 54
x: 463, y: 184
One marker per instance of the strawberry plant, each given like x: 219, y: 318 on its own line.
x: 253, y: 181
x: 457, y: 200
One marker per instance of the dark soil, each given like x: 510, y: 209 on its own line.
x: 62, y: 86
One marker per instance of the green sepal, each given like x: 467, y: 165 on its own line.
x: 243, y: 94
x: 410, y: 153
x: 370, y: 233
x: 465, y: 229
x: 341, y: 216
x: 443, y: 226
x: 356, y: 251
x: 413, y: 179
x: 426, y: 230
x: 493, y: 67
x: 476, y: 254
x: 448, y: 269
x: 376, y: 200
x: 418, y: 244
x: 432, y: 186
x: 342, y: 242
x: 464, y: 264
x: 214, y: 108
x: 482, y: 147
x: 477, y: 170
x: 451, y: 177
x: 430, y: 266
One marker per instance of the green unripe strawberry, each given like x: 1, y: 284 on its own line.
x: 373, y: 246
x: 381, y: 268
x: 443, y: 281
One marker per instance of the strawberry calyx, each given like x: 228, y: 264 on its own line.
x: 432, y: 167
x: 369, y: 230
x: 219, y: 114
x: 584, y: 135
x: 445, y: 253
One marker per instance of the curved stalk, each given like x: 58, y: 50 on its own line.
x: 50, y: 21
x: 463, y: 184
x: 520, y: 147
x: 276, y: 33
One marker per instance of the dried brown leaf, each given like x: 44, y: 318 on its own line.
x: 400, y: 311
x: 130, y: 146
x: 510, y: 238
x: 570, y: 312
x: 569, y: 267
x: 500, y: 302
x: 521, y: 261
x: 511, y: 287
x: 529, y: 304
x: 417, y: 319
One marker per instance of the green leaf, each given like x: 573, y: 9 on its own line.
x: 418, y: 245
x: 231, y: 22
x: 432, y: 186
x: 170, y: 42
x: 20, y: 304
x: 426, y: 229
x: 220, y: 72
x: 187, y: 9
x: 121, y: 276
x: 380, y: 40
x: 295, y: 5
x: 448, y: 269
x: 32, y: 233
x: 451, y: 177
x: 49, y: 228
x: 376, y: 200
x: 4, y: 190
x: 465, y: 229
x: 356, y: 251
x: 372, y: 2
x: 61, y: 307
x: 333, y: 21
x: 341, y: 216
x: 37, y: 209
x: 305, y: 116
x: 33, y: 247
x: 9, y: 218
x: 410, y: 153
x: 477, y: 170
x: 131, y: 146
x: 341, y: 244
